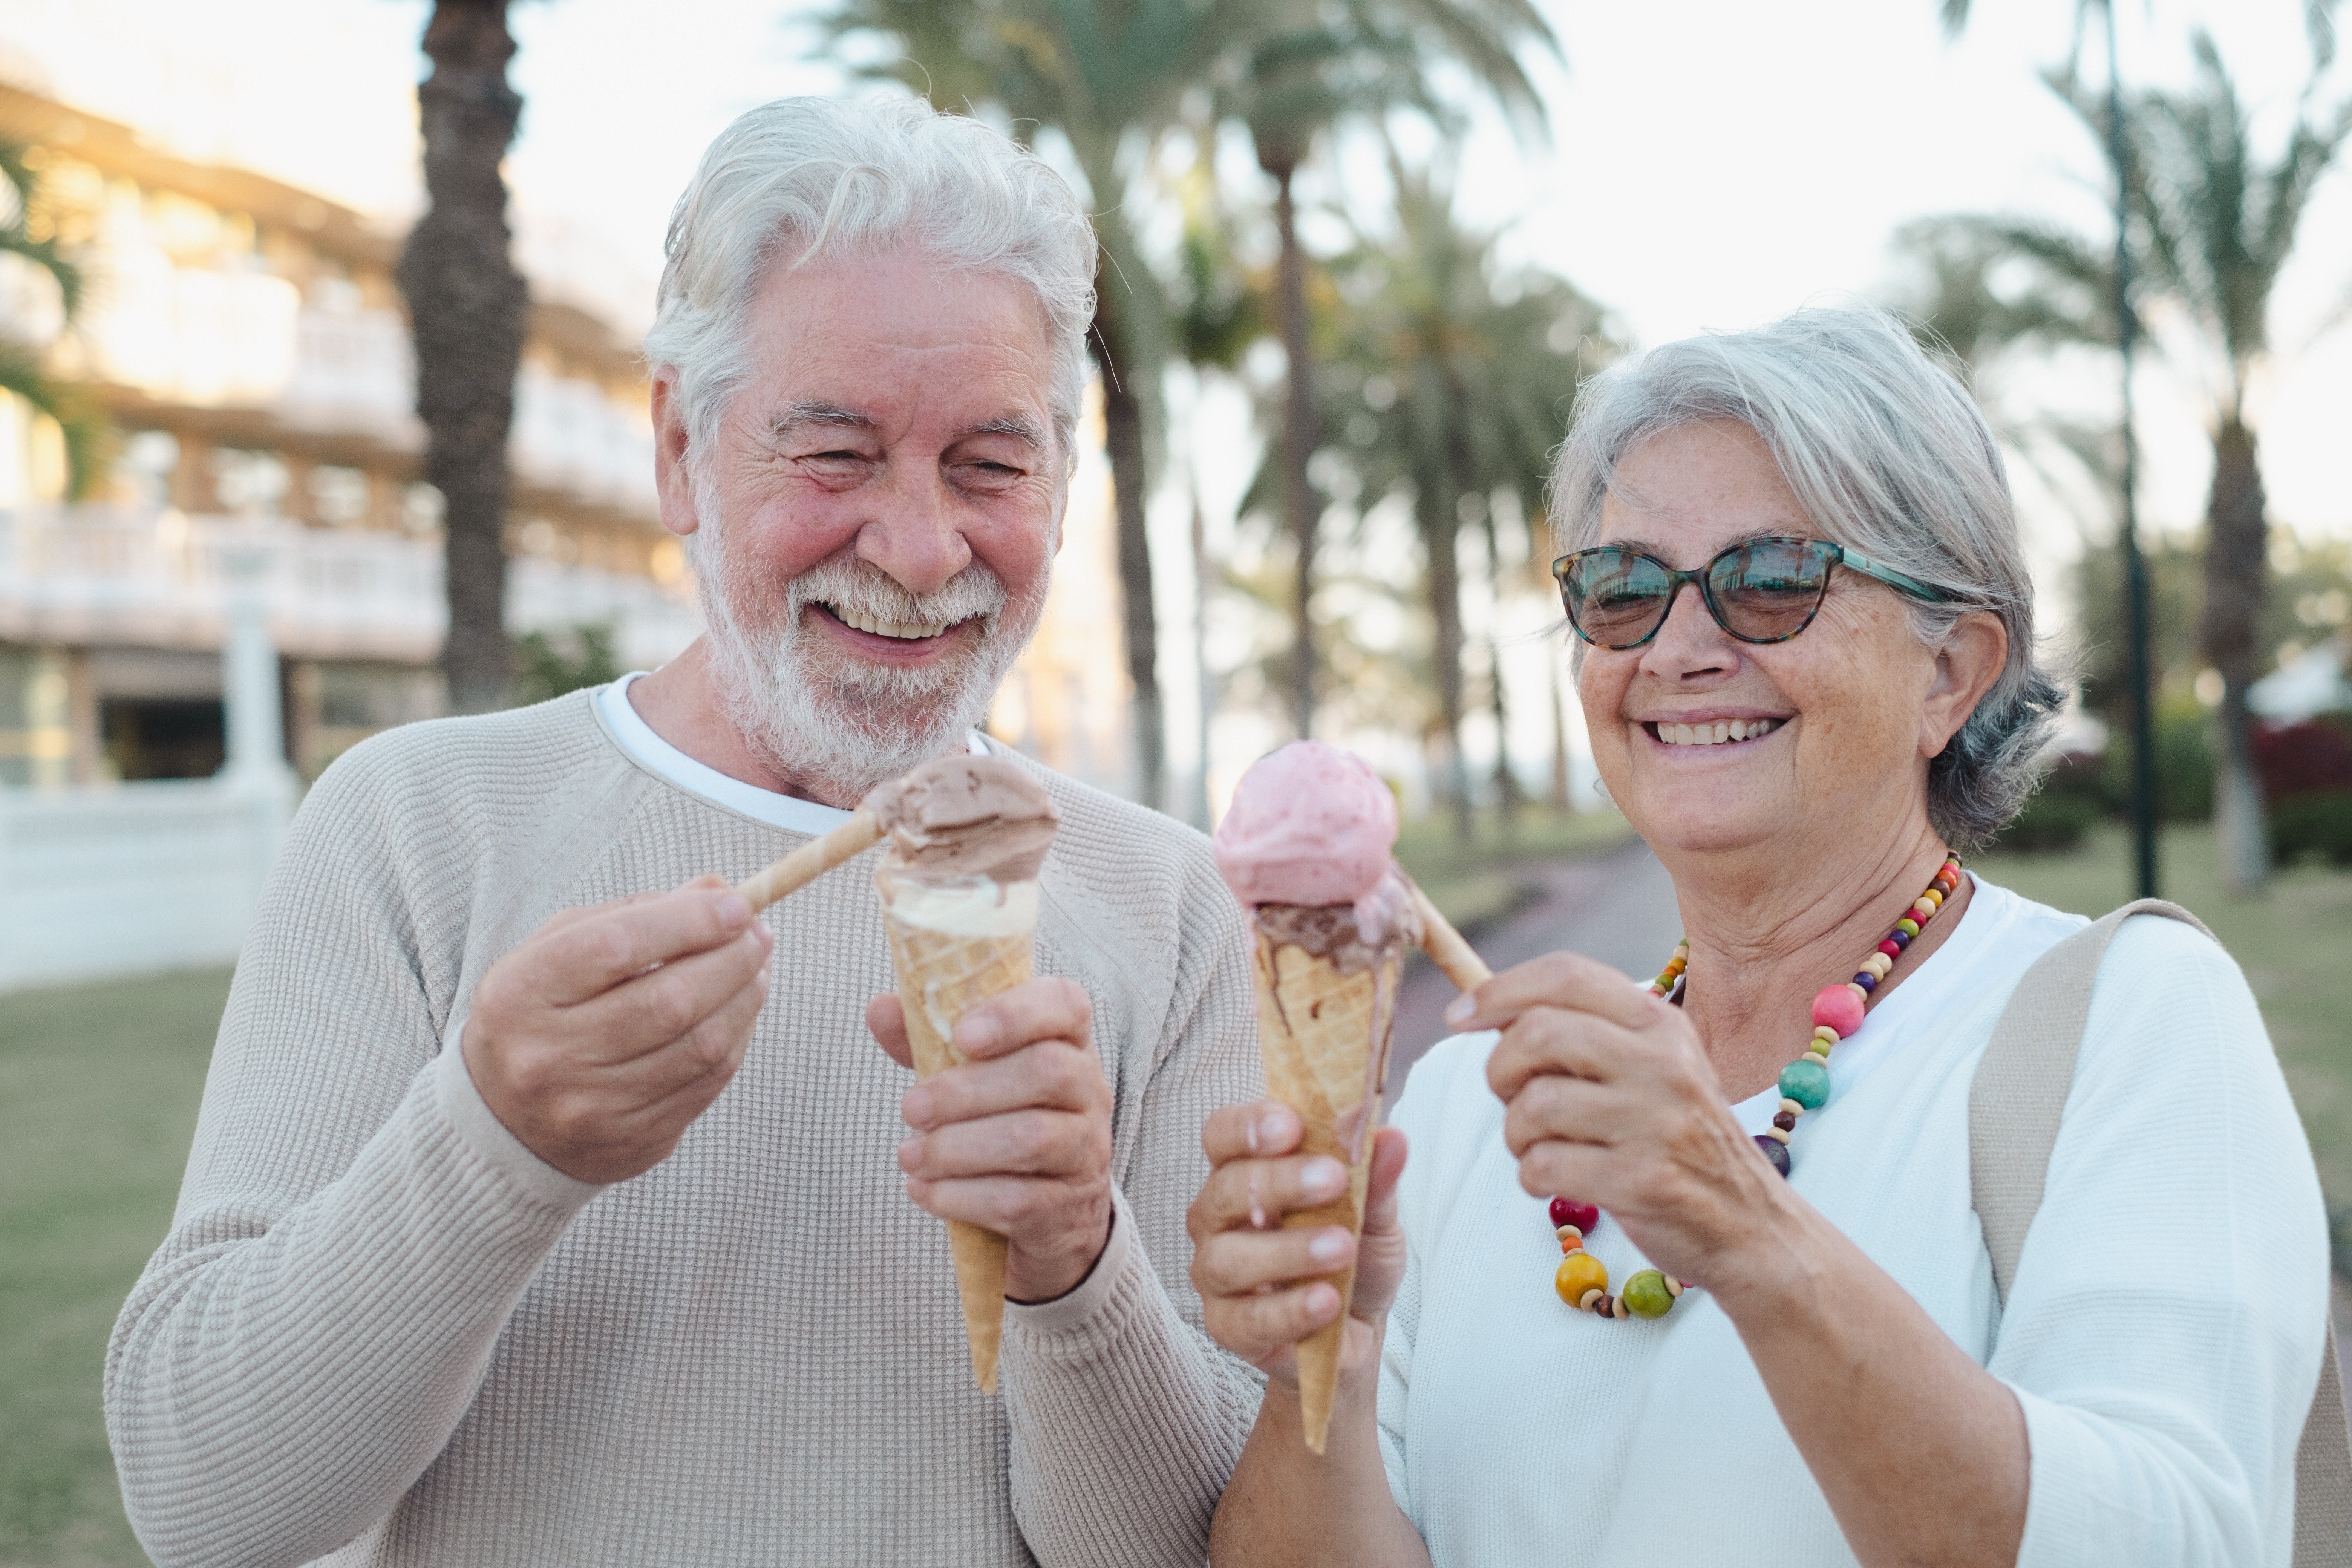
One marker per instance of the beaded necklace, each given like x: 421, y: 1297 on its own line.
x: 1582, y: 1280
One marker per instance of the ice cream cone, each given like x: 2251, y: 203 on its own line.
x: 1324, y: 1033
x: 941, y: 976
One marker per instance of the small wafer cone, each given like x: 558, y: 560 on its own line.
x: 1325, y: 1038
x: 941, y: 976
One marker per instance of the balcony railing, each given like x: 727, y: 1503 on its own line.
x: 101, y: 577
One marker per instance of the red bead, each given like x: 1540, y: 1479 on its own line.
x: 1889, y: 949
x: 1567, y: 1210
x: 1838, y: 1008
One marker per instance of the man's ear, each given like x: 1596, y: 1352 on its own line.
x: 673, y: 471
x: 1974, y: 653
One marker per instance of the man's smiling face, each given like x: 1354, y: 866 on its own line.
x: 875, y: 522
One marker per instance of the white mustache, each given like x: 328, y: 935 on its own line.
x: 864, y: 595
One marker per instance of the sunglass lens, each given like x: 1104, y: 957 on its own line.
x: 1769, y: 590
x: 1615, y: 598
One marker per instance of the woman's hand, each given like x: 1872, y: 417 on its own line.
x: 1612, y: 1101
x: 1244, y: 1265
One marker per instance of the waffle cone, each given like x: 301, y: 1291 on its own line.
x: 941, y: 976
x: 1325, y: 1038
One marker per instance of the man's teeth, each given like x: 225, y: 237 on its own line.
x: 1717, y: 733
x: 910, y: 630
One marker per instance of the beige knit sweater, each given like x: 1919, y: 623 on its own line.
x: 381, y: 1329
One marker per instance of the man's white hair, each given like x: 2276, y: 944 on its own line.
x: 824, y: 177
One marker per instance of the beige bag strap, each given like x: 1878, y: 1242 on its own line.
x: 2014, y: 1107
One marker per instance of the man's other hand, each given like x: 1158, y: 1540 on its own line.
x: 1017, y: 1140
x: 600, y: 1039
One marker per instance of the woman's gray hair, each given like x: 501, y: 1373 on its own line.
x: 830, y: 177
x: 1886, y: 452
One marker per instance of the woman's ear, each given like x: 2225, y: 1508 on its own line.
x: 1974, y: 653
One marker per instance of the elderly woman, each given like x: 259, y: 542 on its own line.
x: 1809, y: 670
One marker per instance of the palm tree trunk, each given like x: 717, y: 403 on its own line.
x: 1298, y: 438
x: 466, y: 305
x: 1123, y: 437
x: 1438, y: 532
x: 2236, y: 567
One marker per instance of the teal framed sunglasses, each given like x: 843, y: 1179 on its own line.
x: 1760, y: 590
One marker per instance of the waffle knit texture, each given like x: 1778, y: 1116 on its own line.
x: 2162, y: 1334
x: 382, y: 1331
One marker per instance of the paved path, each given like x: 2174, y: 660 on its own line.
x: 1618, y: 907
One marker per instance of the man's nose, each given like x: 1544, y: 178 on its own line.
x: 914, y: 533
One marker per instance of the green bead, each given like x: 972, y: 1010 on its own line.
x: 1646, y: 1295
x: 1807, y: 1083
x: 1907, y: 926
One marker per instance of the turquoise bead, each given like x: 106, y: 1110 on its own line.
x: 1807, y: 1083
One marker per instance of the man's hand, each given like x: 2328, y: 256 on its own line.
x: 600, y: 1039
x: 1017, y: 1140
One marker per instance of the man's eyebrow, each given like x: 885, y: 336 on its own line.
x: 1020, y: 426
x: 800, y: 416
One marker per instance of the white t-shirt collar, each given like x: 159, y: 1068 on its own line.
x: 667, y: 763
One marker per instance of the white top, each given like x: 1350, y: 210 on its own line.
x: 667, y: 763
x: 2163, y: 1333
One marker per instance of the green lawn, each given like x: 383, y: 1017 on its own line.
x: 2296, y: 946
x: 98, y: 1100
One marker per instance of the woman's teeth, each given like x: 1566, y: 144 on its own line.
x: 1716, y: 734
x: 910, y: 631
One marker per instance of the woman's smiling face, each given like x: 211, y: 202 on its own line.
x: 1850, y: 710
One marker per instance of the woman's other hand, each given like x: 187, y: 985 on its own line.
x: 1245, y: 1266
x: 1612, y: 1101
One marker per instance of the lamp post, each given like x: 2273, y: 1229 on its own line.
x: 2143, y: 722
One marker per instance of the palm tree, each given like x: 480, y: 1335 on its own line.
x: 2215, y: 226
x: 1110, y: 78
x: 1458, y: 378
x: 467, y: 308
x: 2319, y: 26
x: 23, y: 364
x: 1298, y: 69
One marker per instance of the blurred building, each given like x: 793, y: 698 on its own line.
x: 249, y: 341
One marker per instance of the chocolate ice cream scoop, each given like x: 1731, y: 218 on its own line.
x: 967, y: 817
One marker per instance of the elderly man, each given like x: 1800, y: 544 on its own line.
x: 536, y: 1216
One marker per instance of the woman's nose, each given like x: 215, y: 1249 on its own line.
x: 1688, y: 643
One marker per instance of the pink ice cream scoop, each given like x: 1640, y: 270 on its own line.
x: 1310, y: 824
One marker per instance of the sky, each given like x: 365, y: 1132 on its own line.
x: 1709, y: 164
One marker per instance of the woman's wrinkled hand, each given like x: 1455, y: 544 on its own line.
x: 1246, y: 1267
x: 1612, y: 1101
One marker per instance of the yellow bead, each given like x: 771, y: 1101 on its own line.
x: 1581, y: 1274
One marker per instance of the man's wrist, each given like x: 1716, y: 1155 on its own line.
x: 1030, y: 1282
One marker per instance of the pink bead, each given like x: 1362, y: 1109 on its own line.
x: 1838, y: 1008
x: 1890, y: 949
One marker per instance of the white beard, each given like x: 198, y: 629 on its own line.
x: 833, y: 724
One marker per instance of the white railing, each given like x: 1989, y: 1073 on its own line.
x: 94, y: 575
x: 130, y: 879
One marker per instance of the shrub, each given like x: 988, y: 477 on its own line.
x: 548, y: 664
x: 2053, y: 821
x: 2318, y: 826
x: 2311, y: 757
